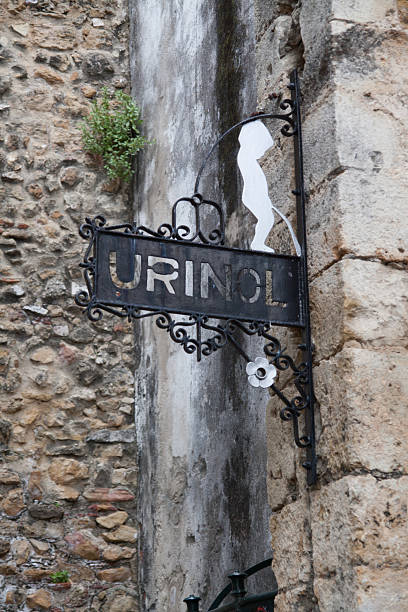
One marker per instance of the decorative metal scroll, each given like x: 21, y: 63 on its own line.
x: 263, y: 602
x: 206, y: 295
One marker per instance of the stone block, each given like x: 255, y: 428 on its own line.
x: 35, y: 574
x: 43, y: 355
x: 359, y: 546
x: 315, y: 30
x: 68, y: 493
x: 369, y: 11
x: 325, y: 228
x: 39, y: 599
x: 113, y: 520
x: 8, y: 569
x: 41, y: 548
x: 58, y: 38
x: 111, y: 437
x: 75, y: 449
x: 402, y: 9
x: 277, y: 52
x: 365, y: 139
x: 334, y: 593
x: 375, y: 590
x: 48, y: 530
x: 379, y: 590
x: 363, y: 397
x: 83, y: 545
x: 45, y: 511
x: 70, y: 176
x: 13, y: 504
x: 116, y: 574
x: 123, y: 476
x: 346, y: 216
x: 108, y: 495
x: 8, y: 477
x: 98, y: 65
x: 48, y: 75
x: 77, y: 598
x: 114, y: 553
x: 124, y: 533
x: 372, y: 207
x: 362, y: 164
x: 65, y: 471
x: 359, y: 521
x: 120, y: 599
x: 291, y: 544
x: 21, y: 550
x: 298, y: 599
x: 22, y: 29
x: 359, y: 300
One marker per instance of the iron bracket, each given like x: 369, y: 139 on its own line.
x: 201, y: 334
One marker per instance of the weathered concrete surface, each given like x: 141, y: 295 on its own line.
x: 201, y: 431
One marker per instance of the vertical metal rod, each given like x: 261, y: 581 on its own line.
x: 310, y: 463
x: 198, y: 329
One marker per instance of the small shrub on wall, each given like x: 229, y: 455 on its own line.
x: 111, y: 133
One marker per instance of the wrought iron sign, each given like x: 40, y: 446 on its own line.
x: 207, y: 295
x: 264, y: 602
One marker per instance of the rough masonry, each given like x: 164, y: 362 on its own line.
x: 342, y: 545
x: 67, y: 473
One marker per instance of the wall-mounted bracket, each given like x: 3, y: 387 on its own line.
x: 207, y: 295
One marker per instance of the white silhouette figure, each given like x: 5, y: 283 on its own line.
x: 255, y: 140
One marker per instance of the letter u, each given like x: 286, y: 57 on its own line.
x: 130, y: 269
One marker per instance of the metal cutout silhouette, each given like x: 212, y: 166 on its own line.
x: 255, y: 140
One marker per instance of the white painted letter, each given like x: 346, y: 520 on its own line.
x: 208, y: 273
x: 189, y: 278
x: 255, y: 275
x: 269, y: 292
x: 152, y: 276
x: 114, y: 272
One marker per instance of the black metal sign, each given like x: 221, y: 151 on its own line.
x: 153, y: 274
x: 206, y: 295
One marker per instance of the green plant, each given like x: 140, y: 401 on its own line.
x: 60, y: 576
x: 111, y: 132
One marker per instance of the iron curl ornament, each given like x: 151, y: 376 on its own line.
x: 206, y: 295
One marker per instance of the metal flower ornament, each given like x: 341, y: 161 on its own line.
x: 261, y: 373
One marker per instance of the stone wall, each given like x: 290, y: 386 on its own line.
x: 342, y: 545
x: 68, y: 445
x: 67, y: 474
